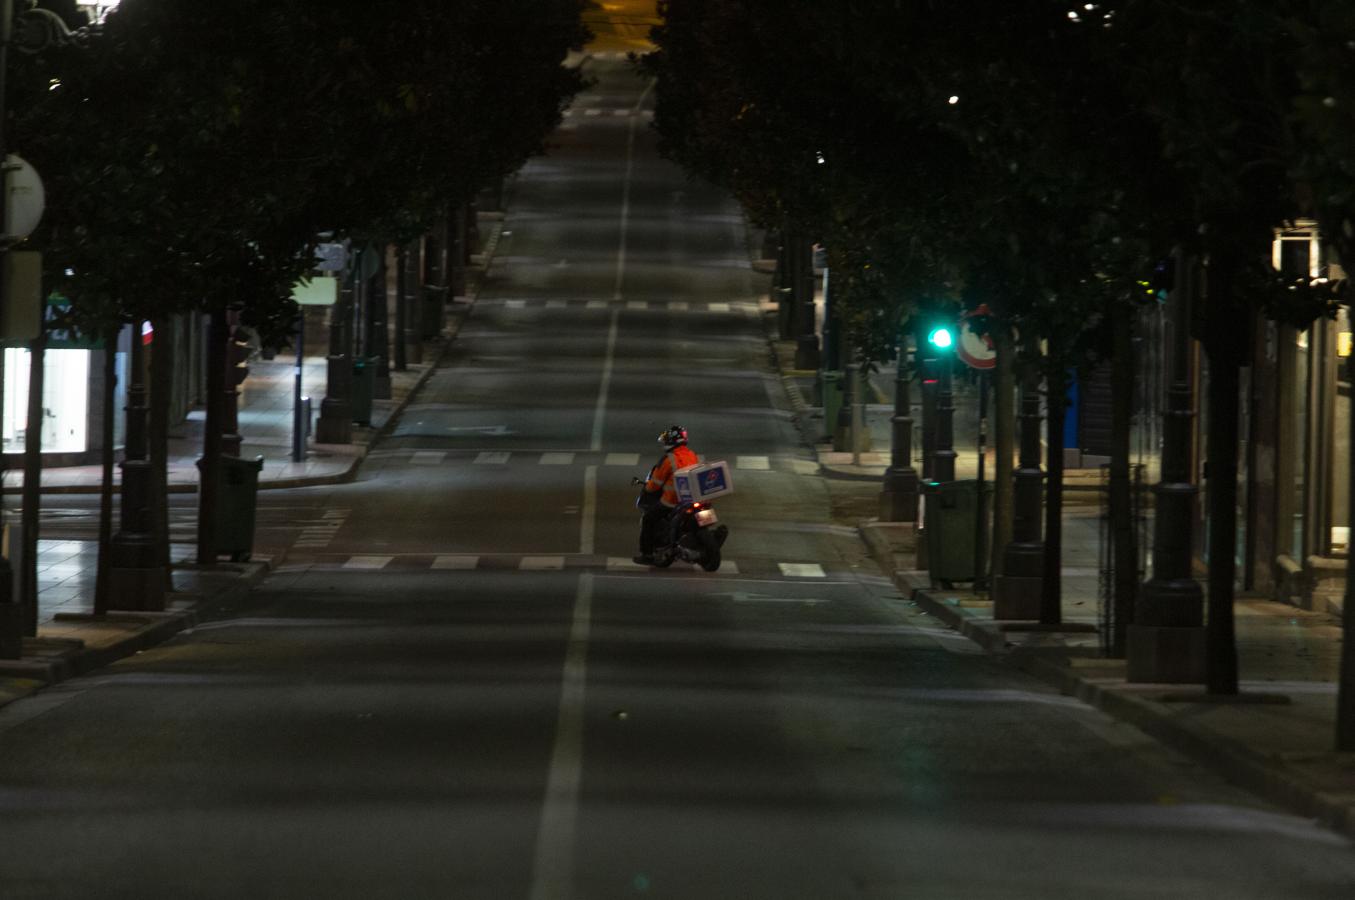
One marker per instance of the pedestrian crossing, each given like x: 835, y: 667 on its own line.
x: 615, y: 112
x: 745, y: 308
x: 511, y: 562
x: 559, y: 458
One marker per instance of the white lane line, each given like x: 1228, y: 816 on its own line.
x: 592, y: 112
x: 678, y: 306
x: 515, y: 304
x: 595, y: 304
x: 553, y: 864
x: 625, y: 192
x: 622, y: 459
x: 556, y: 458
x: 622, y: 564
x: 620, y: 112
x: 600, y: 412
x: 802, y: 570
x: 541, y: 563
x: 637, y: 304
x: 492, y: 457
x: 752, y: 462
x: 718, y: 307
x: 367, y: 562
x: 588, y: 519
x: 455, y: 562
x: 428, y: 458
x: 555, y: 304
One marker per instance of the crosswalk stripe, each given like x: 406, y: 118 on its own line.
x: 492, y: 457
x: 596, y: 304
x: 592, y: 112
x: 718, y: 307
x: 428, y: 457
x: 678, y: 306
x: 515, y: 304
x: 541, y: 563
x: 622, y: 459
x: 367, y: 562
x: 637, y: 304
x: 457, y: 562
x: 619, y: 113
x: 802, y: 570
x: 557, y: 459
x: 752, y: 462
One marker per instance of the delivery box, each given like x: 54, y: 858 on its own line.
x: 703, y: 481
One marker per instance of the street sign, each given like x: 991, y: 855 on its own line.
x: 25, y: 199
x: 21, y: 314
x: 975, y: 351
x: 322, y: 290
x: 331, y: 257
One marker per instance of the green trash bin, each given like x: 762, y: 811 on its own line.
x: 952, y: 526
x: 364, y: 388
x: 236, y: 501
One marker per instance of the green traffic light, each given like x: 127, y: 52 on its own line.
x: 941, y: 338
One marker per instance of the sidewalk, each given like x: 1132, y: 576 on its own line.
x: 1275, y: 740
x: 71, y: 641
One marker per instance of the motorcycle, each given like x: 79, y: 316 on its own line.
x: 693, y: 533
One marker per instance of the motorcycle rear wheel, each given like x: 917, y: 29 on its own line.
x: 711, y: 561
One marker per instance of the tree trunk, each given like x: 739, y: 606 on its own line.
x: 400, y: 360
x: 32, y: 495
x: 1051, y: 604
x: 209, y: 466
x: 162, y: 376
x: 1345, y: 690
x: 1221, y: 503
x: 1125, y: 563
x: 1004, y: 444
x: 110, y: 373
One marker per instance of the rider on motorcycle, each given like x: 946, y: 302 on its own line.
x: 660, y: 495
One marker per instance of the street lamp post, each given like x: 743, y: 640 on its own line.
x: 898, y: 499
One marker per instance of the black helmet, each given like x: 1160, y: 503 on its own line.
x: 673, y: 436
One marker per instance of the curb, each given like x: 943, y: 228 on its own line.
x: 1237, y: 763
x: 25, y: 677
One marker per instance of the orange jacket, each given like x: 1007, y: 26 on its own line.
x: 661, y: 476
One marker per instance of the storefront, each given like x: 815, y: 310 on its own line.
x: 71, y: 401
x: 1298, y: 511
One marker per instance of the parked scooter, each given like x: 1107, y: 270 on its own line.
x: 693, y: 534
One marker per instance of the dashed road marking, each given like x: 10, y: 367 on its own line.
x: 515, y: 304
x: 557, y: 459
x: 368, y: 562
x: 752, y: 462
x: 637, y: 304
x: 801, y: 570
x: 456, y: 562
x: 492, y: 458
x: 718, y: 307
x: 596, y: 304
x: 678, y: 306
x: 428, y: 457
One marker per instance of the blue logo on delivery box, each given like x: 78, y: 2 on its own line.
x: 711, y: 481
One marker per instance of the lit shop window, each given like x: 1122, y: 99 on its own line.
x: 65, y: 401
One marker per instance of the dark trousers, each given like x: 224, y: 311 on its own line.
x: 653, y: 526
